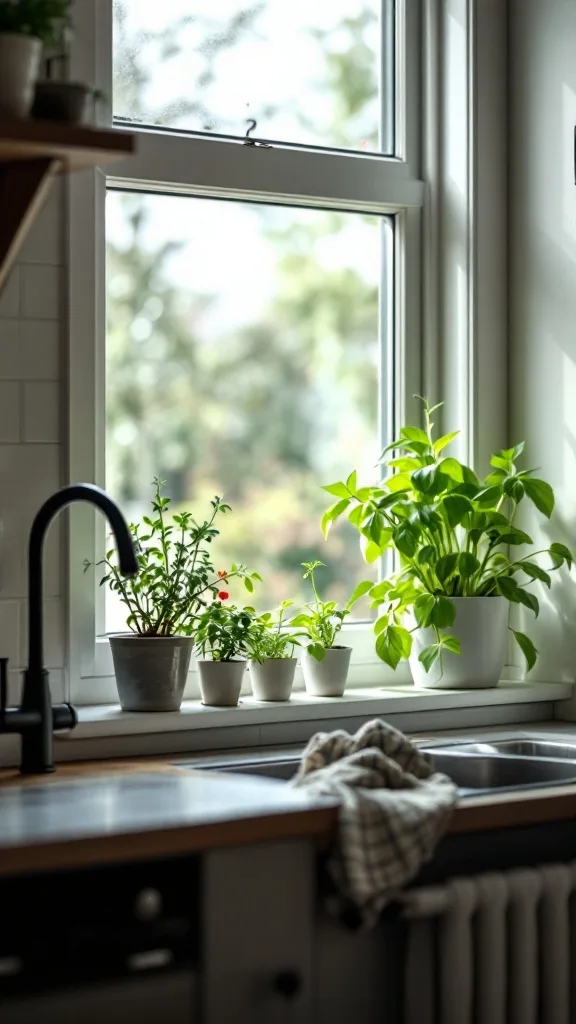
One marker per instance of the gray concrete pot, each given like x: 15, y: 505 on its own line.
x: 151, y: 671
x: 272, y: 679
x: 60, y: 101
x: 327, y: 678
x: 221, y: 681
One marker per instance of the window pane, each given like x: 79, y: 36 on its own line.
x: 243, y: 360
x: 316, y: 74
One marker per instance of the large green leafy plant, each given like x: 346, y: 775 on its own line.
x: 455, y: 535
x: 176, y: 578
x: 43, y: 19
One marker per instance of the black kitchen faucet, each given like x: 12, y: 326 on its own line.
x: 37, y: 718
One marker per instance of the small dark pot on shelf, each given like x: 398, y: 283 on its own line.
x: 60, y: 101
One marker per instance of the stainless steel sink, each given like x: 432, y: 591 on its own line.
x: 476, y: 768
x: 481, y: 773
x: 522, y: 747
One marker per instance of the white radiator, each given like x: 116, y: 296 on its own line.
x: 497, y: 948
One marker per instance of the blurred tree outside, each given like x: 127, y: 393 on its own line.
x: 261, y: 408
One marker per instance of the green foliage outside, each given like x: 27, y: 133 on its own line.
x: 452, y: 532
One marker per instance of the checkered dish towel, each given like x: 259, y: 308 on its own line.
x: 393, y: 810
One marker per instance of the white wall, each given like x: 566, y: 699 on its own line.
x: 543, y: 284
x: 32, y: 389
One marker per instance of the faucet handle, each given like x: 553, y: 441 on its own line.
x: 3, y: 689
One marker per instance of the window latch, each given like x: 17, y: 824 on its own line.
x: 252, y: 142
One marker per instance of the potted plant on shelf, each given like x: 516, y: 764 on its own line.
x: 447, y: 607
x: 222, y: 639
x: 25, y: 25
x: 271, y: 648
x: 176, y: 580
x: 55, y: 98
x: 325, y: 663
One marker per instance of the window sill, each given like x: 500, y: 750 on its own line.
x: 109, y: 721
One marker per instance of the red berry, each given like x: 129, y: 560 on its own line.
x: 223, y: 595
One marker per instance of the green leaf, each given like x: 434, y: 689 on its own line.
x: 427, y: 555
x: 249, y: 585
x: 514, y: 536
x: 529, y: 600
x: 359, y: 592
x: 405, y: 539
x: 444, y: 441
x: 468, y: 564
x: 443, y: 612
x: 513, y: 488
x: 415, y: 434
x: 371, y: 552
x: 500, y: 463
x: 316, y: 651
x: 445, y: 566
x: 393, y: 644
x: 508, y: 588
x: 452, y: 468
x: 356, y: 515
x: 339, y: 490
x: 425, y: 479
x: 541, y: 495
x: 406, y: 464
x: 489, y: 497
x: 562, y: 552
x: 536, y: 573
x: 455, y: 507
x: 527, y: 647
x: 451, y: 643
x: 399, y: 482
x: 423, y: 606
x: 429, y: 656
x: 352, y: 482
x: 333, y: 513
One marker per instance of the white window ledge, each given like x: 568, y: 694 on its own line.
x: 110, y: 721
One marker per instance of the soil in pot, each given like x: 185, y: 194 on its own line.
x: 272, y: 679
x: 327, y: 678
x: 481, y: 625
x: 151, y: 671
x: 221, y: 682
x: 60, y: 101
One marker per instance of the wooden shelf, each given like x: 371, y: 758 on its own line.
x: 76, y: 146
x: 31, y: 154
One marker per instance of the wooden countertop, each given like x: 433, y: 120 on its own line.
x: 110, y: 811
x: 104, y: 812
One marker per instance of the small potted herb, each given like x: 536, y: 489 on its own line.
x: 24, y: 26
x: 447, y: 607
x: 325, y: 663
x: 272, y: 663
x: 222, y: 639
x: 56, y: 98
x: 176, y: 580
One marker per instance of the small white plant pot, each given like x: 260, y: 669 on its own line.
x: 327, y: 678
x: 481, y: 625
x: 221, y: 682
x: 272, y: 679
x: 19, y: 63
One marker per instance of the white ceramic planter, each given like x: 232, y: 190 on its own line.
x: 220, y: 682
x: 272, y: 679
x: 19, y: 63
x: 327, y: 678
x: 481, y: 625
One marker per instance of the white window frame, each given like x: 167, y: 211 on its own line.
x: 447, y: 151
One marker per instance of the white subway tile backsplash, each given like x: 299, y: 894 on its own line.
x: 42, y: 412
x: 41, y: 291
x: 39, y: 349
x: 9, y: 349
x: 10, y: 295
x: 9, y: 411
x: 45, y: 241
x: 10, y: 632
x: 29, y: 474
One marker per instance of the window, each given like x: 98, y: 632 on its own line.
x: 262, y: 300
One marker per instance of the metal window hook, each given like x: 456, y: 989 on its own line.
x: 252, y: 124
